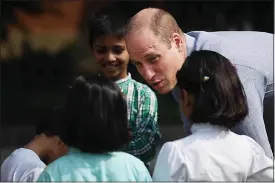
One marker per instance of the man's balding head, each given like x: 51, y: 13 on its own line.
x: 160, y: 22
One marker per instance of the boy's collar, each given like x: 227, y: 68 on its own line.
x: 123, y: 79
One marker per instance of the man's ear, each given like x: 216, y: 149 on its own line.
x: 178, y: 40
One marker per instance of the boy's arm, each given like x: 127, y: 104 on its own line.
x: 147, y: 135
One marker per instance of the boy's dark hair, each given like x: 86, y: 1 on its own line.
x: 219, y: 95
x: 95, y: 116
x: 108, y: 22
x: 50, y: 122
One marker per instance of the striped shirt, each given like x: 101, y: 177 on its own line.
x: 142, y: 106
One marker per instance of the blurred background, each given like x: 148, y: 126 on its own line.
x: 44, y: 45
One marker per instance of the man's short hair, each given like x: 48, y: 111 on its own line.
x: 162, y: 24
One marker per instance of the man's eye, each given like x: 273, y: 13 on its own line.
x: 154, y: 59
x: 136, y: 64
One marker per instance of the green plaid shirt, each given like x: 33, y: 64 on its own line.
x: 143, y: 116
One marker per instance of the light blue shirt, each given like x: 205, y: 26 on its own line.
x: 252, y: 55
x: 79, y: 166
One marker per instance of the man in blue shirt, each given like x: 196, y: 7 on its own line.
x: 158, y: 48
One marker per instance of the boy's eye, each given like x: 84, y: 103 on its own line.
x: 101, y: 50
x: 117, y: 49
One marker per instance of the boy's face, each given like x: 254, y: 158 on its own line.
x: 112, y: 56
x: 48, y: 148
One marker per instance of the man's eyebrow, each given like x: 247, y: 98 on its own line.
x: 151, y: 55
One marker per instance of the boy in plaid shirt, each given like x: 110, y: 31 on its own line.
x: 109, y: 48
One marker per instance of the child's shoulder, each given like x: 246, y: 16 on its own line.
x: 26, y: 156
x: 251, y: 142
x: 120, y: 156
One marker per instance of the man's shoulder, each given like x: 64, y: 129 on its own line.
x: 203, y: 34
x: 202, y: 40
x: 244, y: 48
x: 231, y: 34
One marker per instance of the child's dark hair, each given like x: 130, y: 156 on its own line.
x: 108, y: 22
x: 219, y: 95
x: 95, y: 116
x: 50, y: 122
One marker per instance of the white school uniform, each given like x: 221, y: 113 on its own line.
x: 213, y: 153
x: 22, y: 165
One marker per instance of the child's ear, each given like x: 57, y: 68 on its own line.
x: 184, y: 97
x: 187, y: 103
x: 187, y: 100
x: 61, y: 143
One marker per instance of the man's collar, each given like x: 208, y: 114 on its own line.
x: 190, y: 44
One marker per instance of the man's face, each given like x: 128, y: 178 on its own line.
x: 112, y: 57
x: 154, y: 60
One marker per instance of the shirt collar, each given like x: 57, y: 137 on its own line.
x: 206, y: 127
x: 124, y: 79
x: 73, y: 150
x: 190, y: 44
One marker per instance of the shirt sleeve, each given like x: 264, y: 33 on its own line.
x: 170, y: 165
x: 253, y: 125
x: 144, y: 176
x: 34, y: 175
x: 22, y: 165
x: 147, y: 135
x: 147, y: 177
x: 262, y: 167
x: 44, y: 177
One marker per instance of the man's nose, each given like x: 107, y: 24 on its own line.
x: 147, y: 73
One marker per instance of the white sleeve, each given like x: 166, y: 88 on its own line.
x: 262, y: 167
x: 170, y: 164
x: 21, y: 164
x: 33, y: 175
